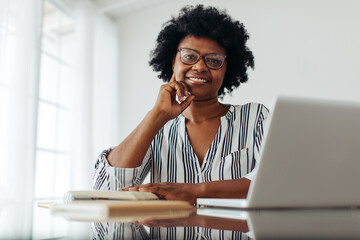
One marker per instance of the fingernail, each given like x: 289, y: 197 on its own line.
x: 188, y: 93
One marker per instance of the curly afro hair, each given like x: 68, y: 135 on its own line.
x: 200, y: 21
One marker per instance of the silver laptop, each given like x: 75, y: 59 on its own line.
x: 311, y: 158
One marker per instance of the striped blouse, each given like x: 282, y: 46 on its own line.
x: 233, y: 154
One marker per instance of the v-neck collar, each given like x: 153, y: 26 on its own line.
x: 185, y: 137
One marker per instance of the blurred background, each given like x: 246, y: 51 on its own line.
x: 74, y: 75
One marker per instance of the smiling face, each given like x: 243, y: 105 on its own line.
x: 204, y: 83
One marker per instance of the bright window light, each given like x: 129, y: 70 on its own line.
x: 55, y: 104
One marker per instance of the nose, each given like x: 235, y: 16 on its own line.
x: 200, y: 66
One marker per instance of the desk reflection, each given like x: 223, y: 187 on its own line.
x: 27, y: 221
x: 191, y: 227
x: 230, y: 224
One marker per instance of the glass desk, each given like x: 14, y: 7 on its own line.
x: 27, y: 221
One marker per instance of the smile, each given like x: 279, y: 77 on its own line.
x: 197, y: 80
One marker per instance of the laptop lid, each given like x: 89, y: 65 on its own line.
x: 311, y: 157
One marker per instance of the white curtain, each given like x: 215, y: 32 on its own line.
x: 19, y: 63
x: 96, y: 102
x: 97, y: 126
x: 19, y: 77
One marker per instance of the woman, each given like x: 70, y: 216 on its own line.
x: 193, y: 145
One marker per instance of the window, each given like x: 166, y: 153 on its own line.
x: 55, y: 103
x: 46, y: 104
x: 7, y: 67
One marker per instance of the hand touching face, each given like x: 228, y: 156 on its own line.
x: 166, y: 105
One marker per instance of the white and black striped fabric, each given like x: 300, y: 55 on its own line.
x: 233, y: 154
x: 117, y: 230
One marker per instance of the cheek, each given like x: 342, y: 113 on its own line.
x: 179, y: 71
x: 219, y: 76
x: 222, y: 75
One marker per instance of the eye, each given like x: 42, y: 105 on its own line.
x: 189, y: 57
x: 213, y: 61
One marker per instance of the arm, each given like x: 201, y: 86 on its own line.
x: 237, y: 188
x: 131, y: 151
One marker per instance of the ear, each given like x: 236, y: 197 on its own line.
x: 173, y: 63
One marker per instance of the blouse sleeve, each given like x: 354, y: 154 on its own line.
x: 107, y: 177
x: 258, y: 142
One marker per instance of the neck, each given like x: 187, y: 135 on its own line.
x: 200, y: 111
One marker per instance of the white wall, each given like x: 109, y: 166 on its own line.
x: 105, y: 92
x: 301, y: 47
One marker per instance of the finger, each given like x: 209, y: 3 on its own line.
x: 172, y: 79
x: 186, y: 103
x: 147, y: 187
x: 182, y: 91
x: 134, y: 188
x: 152, y: 189
x: 186, y: 89
x: 158, y: 190
x: 179, y: 88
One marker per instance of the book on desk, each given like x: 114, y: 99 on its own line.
x: 120, y: 205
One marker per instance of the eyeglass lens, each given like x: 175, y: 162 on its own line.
x: 212, y: 60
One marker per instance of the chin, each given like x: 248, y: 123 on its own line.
x: 203, y: 98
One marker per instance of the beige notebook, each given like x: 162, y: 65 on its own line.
x: 96, y: 209
x: 121, y: 210
x: 108, y: 195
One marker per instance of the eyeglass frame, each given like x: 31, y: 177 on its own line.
x: 203, y: 57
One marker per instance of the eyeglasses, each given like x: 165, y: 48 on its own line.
x: 212, y: 60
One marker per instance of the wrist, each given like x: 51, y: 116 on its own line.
x: 201, y: 190
x: 159, y: 116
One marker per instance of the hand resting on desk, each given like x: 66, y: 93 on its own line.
x: 237, y: 188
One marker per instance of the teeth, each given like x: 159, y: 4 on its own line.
x: 197, y: 79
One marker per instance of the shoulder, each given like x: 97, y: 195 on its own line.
x: 249, y: 116
x: 173, y: 124
x: 171, y: 127
x: 251, y: 110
